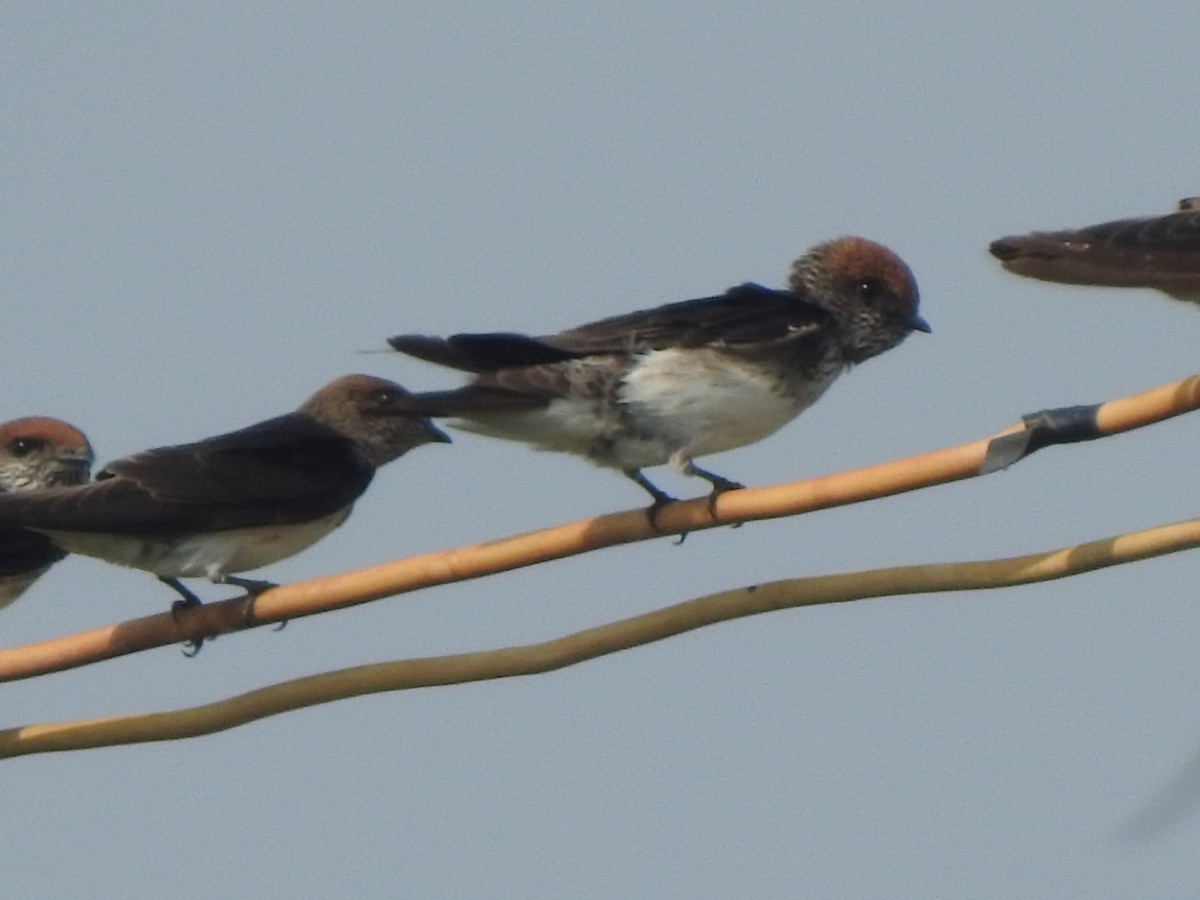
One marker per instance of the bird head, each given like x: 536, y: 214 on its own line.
x: 867, y: 288
x: 374, y: 413
x: 40, y: 452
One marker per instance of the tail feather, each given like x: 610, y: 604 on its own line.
x: 480, y: 353
x: 471, y: 399
x: 437, y: 350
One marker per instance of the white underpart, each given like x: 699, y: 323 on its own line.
x: 674, y: 405
x: 564, y: 426
x: 200, y: 556
x: 699, y: 402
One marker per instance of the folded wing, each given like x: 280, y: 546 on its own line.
x: 749, y: 314
x: 282, y: 471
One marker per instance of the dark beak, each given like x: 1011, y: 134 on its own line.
x: 916, y: 323
x: 436, y: 435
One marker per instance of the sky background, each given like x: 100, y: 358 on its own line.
x: 207, y: 211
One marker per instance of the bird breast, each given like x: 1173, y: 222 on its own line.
x: 705, y: 401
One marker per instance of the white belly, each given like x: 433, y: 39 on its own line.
x: 563, y: 426
x: 672, y: 405
x: 206, y: 556
x: 701, y: 402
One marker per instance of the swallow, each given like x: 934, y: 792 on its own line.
x: 1161, y: 252
x: 234, y: 502
x: 684, y: 380
x: 36, y: 452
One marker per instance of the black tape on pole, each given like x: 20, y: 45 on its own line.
x: 1065, y: 425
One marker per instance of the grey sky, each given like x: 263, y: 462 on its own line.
x: 208, y: 211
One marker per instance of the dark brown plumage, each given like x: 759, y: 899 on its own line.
x: 1162, y: 253
x: 236, y: 501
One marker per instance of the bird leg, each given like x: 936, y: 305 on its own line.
x: 661, y: 497
x: 719, y: 485
x: 189, y: 601
x: 253, y: 587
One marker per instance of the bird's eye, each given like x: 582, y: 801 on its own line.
x: 385, y: 397
x: 869, y: 289
x: 23, y: 446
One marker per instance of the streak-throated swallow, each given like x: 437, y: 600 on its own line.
x: 237, y: 501
x: 680, y: 381
x: 35, y: 452
x: 1161, y: 253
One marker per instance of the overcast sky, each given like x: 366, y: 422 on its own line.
x: 210, y: 210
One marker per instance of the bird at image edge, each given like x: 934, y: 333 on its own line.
x: 36, y: 452
x: 234, y: 502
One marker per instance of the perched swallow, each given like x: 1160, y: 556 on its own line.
x: 1161, y: 253
x: 237, y: 501
x: 670, y: 384
x: 35, y: 452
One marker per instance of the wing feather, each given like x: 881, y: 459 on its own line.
x: 286, y: 470
x: 749, y: 314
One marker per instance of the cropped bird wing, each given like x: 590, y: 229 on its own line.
x: 1162, y: 252
x: 749, y: 314
x: 285, y: 470
x: 23, y: 551
x: 1177, y: 231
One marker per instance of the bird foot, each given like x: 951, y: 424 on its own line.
x: 178, y: 606
x: 720, y: 485
x: 654, y: 509
x: 661, y: 498
x: 252, y: 586
x: 188, y: 601
x: 717, y: 491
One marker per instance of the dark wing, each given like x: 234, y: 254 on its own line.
x: 746, y: 314
x: 749, y: 314
x: 1163, y: 253
x: 1178, y: 231
x: 24, y: 551
x: 285, y: 470
x: 478, y: 352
